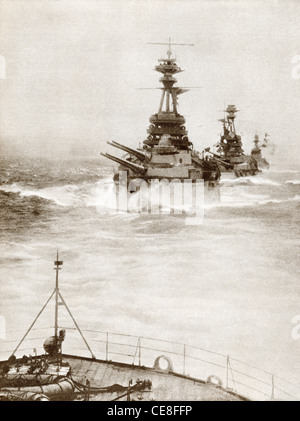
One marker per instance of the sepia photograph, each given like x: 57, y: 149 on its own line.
x: 150, y: 202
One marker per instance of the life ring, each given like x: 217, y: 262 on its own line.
x: 157, y: 366
x: 215, y: 380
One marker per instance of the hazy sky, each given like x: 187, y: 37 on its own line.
x: 73, y: 68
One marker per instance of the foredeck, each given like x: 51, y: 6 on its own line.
x: 165, y: 386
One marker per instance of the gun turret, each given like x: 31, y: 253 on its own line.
x: 139, y: 154
x: 218, y: 158
x: 132, y: 166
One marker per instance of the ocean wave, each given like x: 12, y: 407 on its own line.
x: 61, y: 195
x: 283, y: 171
x: 293, y: 182
x: 99, y: 195
x: 290, y: 199
x: 251, y: 203
x: 249, y: 181
x: 102, y: 196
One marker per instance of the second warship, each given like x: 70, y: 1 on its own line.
x: 256, y: 152
x: 229, y: 151
x: 167, y: 153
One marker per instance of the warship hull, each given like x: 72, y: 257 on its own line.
x: 240, y: 170
x: 263, y: 164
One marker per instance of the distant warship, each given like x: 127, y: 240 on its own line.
x: 256, y: 152
x: 167, y: 153
x: 230, y: 154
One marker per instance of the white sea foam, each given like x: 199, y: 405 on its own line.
x: 66, y: 195
x: 283, y: 171
x: 104, y: 199
x: 293, y: 182
x: 250, y: 203
x: 249, y: 181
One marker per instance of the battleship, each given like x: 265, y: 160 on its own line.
x: 167, y: 153
x: 229, y: 153
x: 262, y: 163
x: 159, y: 370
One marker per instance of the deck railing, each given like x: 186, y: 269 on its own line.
x: 183, y: 359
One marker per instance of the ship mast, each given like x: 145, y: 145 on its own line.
x: 168, y: 121
x: 56, y: 291
x: 58, y: 339
x: 256, y: 141
x: 230, y: 144
x: 230, y: 126
x: 256, y: 150
x: 168, y: 68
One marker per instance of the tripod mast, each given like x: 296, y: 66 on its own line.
x: 56, y: 291
x: 58, y: 296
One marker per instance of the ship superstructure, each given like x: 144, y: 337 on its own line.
x: 167, y: 153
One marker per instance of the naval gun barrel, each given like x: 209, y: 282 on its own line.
x: 218, y: 159
x: 131, y: 165
x: 139, y: 154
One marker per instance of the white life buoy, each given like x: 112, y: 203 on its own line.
x: 215, y: 380
x: 157, y: 366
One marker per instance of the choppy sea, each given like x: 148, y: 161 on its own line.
x: 230, y: 284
